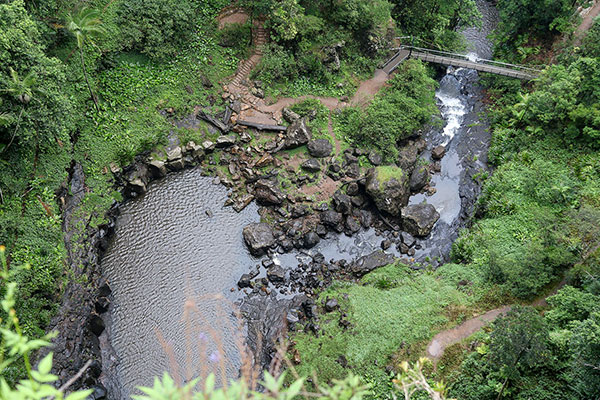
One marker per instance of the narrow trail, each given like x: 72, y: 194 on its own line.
x: 444, y: 339
x: 586, y: 24
x: 338, y: 147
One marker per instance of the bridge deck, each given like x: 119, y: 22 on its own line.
x: 403, y: 54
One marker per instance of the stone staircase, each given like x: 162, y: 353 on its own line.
x: 259, y: 35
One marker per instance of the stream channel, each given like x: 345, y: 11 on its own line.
x: 178, y: 253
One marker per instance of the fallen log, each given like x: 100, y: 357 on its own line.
x: 214, y: 121
x: 263, y: 127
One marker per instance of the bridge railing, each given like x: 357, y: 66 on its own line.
x: 476, y: 60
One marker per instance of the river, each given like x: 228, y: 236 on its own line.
x: 177, y: 245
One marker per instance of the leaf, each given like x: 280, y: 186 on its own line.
x: 45, y: 365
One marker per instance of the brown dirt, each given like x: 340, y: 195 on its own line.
x: 586, y: 24
x: 322, y: 191
x: 236, y: 17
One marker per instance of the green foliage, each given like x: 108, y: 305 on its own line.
x: 590, y: 47
x: 385, y: 173
x: 407, y: 310
x: 156, y: 28
x: 396, y: 113
x: 433, y: 22
x: 571, y: 304
x: 539, y: 17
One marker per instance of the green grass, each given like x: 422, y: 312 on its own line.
x: 392, y: 307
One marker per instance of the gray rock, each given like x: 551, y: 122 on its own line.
x: 368, y: 263
x: 331, y: 218
x: 208, y: 146
x: 157, y: 169
x: 297, y: 134
x: 342, y: 202
x: 352, y: 189
x: 267, y: 193
x: 176, y: 165
x: 418, y: 179
x: 331, y: 305
x: 407, y: 239
x: 375, y: 158
x: 245, y: 281
x: 419, y: 219
x: 276, y: 274
x: 407, y: 156
x: 174, y: 154
x: 311, y: 165
x: 351, y: 224
x: 134, y: 188
x: 320, y: 148
x: 438, y: 153
x: 289, y: 115
x: 389, y: 196
x: 311, y: 239
x: 226, y: 141
x: 258, y: 237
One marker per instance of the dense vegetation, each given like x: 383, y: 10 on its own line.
x: 99, y: 82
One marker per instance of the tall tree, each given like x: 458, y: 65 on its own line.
x: 517, y: 340
x: 83, y: 25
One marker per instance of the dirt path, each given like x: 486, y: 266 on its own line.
x: 586, y: 24
x: 234, y: 16
x: 446, y: 338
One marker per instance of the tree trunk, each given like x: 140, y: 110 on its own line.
x: 502, y: 390
x: 87, y: 81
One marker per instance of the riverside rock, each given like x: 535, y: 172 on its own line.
x: 418, y: 179
x: 267, y: 193
x: 320, y: 148
x: 258, y: 237
x: 419, y: 219
x: 368, y: 263
x: 389, y: 194
x: 297, y: 134
x: 438, y: 152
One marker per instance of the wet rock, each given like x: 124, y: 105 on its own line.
x: 419, y: 219
x: 351, y: 224
x: 438, y: 152
x: 258, y: 237
x: 375, y: 158
x: 243, y: 202
x: 225, y: 141
x: 331, y: 305
x: 245, y: 281
x: 321, y: 230
x: 98, y: 392
x: 320, y: 148
x: 276, y: 274
x: 289, y: 115
x: 386, y: 244
x: 311, y: 239
x: 366, y: 218
x: 176, y: 165
x: 311, y: 165
x: 101, y: 305
x: 157, y: 169
x: 134, y: 188
x: 368, y: 263
x: 96, y: 325
x: 418, y: 179
x: 267, y: 193
x: 331, y: 218
x: 407, y: 239
x: 389, y: 195
x: 297, y: 134
x: 342, y: 202
x: 286, y: 244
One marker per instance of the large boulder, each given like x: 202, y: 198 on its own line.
x: 258, y: 237
x: 419, y: 178
x: 297, y: 134
x: 389, y: 190
x: 331, y: 218
x: 408, y: 154
x: 320, y: 148
x: 368, y: 263
x: 267, y: 193
x: 419, y: 219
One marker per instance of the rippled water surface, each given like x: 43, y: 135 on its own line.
x: 175, y: 244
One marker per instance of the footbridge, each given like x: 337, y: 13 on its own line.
x: 459, y: 61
